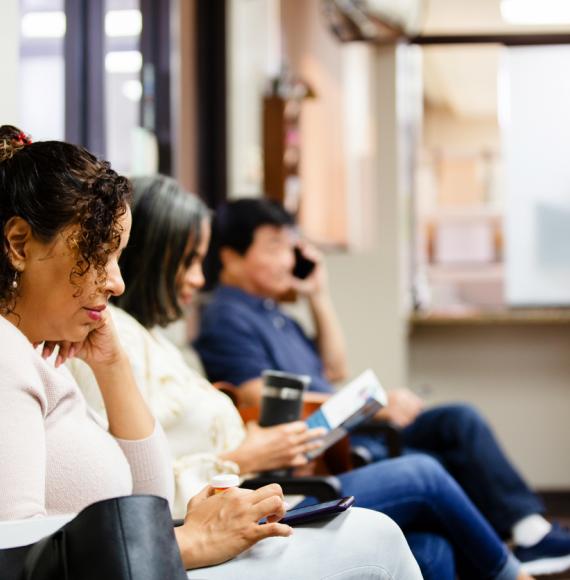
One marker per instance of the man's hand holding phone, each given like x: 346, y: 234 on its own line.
x: 309, y: 275
x: 303, y: 267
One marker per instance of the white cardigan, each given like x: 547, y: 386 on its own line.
x: 200, y: 422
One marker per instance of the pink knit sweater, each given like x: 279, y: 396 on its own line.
x: 55, y: 457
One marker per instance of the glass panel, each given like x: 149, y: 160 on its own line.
x: 123, y: 63
x: 536, y: 125
x: 42, y: 33
x: 459, y: 184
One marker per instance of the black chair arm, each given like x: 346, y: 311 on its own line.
x: 324, y: 488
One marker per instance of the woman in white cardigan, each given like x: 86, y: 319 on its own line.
x: 163, y: 270
x: 65, y: 218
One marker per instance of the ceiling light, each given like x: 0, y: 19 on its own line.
x: 132, y: 90
x: 123, y: 23
x: 43, y: 25
x: 536, y: 12
x: 124, y: 61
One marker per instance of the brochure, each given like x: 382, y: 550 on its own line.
x: 354, y: 403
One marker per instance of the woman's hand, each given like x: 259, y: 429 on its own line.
x: 100, y: 347
x: 127, y: 412
x: 267, y: 448
x: 219, y: 527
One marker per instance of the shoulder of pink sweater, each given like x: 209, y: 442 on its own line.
x: 21, y: 367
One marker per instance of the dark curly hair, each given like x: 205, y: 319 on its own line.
x: 53, y: 185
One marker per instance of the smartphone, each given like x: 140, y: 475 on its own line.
x: 303, y: 266
x: 319, y: 511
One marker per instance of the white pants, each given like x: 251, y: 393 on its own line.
x: 358, y: 545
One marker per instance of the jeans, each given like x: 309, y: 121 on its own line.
x: 458, y: 437
x: 434, y: 555
x: 420, y: 496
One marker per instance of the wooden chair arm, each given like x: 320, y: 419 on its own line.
x: 228, y: 389
x: 252, y: 412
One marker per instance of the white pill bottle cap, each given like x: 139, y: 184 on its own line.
x: 225, y: 480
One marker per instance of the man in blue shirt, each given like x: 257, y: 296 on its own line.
x: 259, y: 336
x: 244, y: 331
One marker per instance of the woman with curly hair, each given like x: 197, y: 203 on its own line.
x: 65, y: 219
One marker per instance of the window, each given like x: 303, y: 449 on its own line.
x: 123, y: 87
x: 459, y: 181
x: 42, y: 33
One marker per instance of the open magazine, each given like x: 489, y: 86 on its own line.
x: 354, y: 403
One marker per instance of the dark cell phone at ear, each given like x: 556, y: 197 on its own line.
x: 303, y: 266
x: 319, y: 511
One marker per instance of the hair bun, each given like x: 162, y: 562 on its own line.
x: 12, y: 140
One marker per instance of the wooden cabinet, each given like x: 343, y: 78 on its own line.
x: 282, y: 146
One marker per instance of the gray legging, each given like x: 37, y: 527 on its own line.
x: 357, y: 545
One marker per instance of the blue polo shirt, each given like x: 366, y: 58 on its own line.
x: 242, y: 335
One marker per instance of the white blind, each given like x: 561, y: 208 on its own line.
x: 535, y: 117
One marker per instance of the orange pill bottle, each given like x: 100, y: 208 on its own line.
x: 223, y: 482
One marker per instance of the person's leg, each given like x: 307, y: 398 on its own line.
x: 419, y: 494
x: 463, y: 441
x: 357, y: 545
x: 434, y: 555
x: 374, y: 444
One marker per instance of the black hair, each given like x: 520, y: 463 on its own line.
x: 166, y: 218
x: 53, y: 185
x: 234, y: 227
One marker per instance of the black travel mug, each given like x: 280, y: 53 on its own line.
x: 282, y: 397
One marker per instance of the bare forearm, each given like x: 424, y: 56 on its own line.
x: 330, y: 339
x: 127, y: 412
x: 245, y: 462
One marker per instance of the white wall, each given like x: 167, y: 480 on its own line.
x: 9, y: 56
x: 375, y: 330
x: 518, y: 376
x: 370, y: 288
x: 369, y: 282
